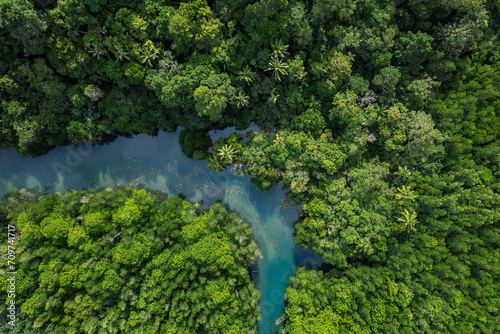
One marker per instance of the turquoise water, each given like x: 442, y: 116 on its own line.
x: 158, y: 163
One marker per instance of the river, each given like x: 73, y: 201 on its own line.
x: 158, y: 163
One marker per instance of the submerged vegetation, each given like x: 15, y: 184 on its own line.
x: 380, y: 117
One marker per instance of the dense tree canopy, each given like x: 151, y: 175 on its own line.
x: 381, y: 118
x: 73, y: 71
x: 117, y: 261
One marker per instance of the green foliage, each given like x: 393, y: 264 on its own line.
x: 266, y: 21
x: 134, y: 73
x: 386, y: 83
x: 211, y: 97
x: 380, y: 118
x: 246, y: 75
x: 194, y: 144
x: 311, y: 121
x: 55, y: 228
x: 194, y: 24
x: 91, y: 63
x: 25, y: 25
x: 121, y: 262
x: 412, y: 50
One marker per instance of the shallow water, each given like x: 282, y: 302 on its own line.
x: 158, y: 163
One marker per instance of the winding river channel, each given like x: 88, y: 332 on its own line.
x: 158, y: 163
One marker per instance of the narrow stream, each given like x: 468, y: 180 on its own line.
x: 158, y: 163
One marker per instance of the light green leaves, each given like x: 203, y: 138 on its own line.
x: 226, y: 154
x: 408, y: 220
x: 95, y: 223
x: 180, y: 264
x: 77, y: 235
x: 127, y: 214
x: 219, y: 291
x: 149, y: 53
x: 56, y: 227
x: 132, y: 251
x: 30, y: 232
x: 194, y: 24
x: 405, y: 194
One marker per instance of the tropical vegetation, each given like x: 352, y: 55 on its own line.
x: 381, y: 118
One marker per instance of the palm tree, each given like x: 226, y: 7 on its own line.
x: 169, y: 63
x: 149, y: 52
x: 408, y: 220
x: 227, y: 153
x: 403, y: 172
x: 214, y: 163
x: 246, y: 75
x: 148, y: 55
x: 279, y: 49
x: 273, y: 97
x: 97, y: 51
x: 277, y: 66
x: 120, y: 54
x: 241, y: 100
x: 406, y: 194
